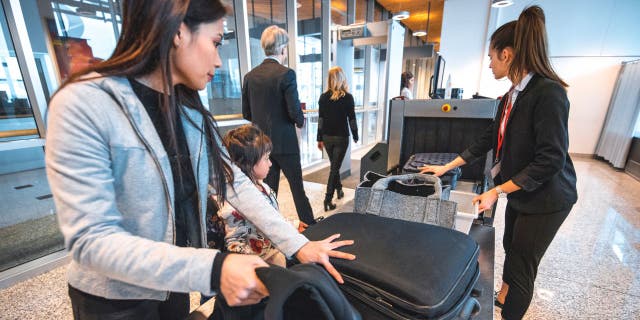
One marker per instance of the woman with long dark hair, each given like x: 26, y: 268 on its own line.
x: 530, y: 143
x: 131, y: 154
x: 336, y: 112
x: 406, y: 85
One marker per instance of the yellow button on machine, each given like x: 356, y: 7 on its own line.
x: 446, y: 107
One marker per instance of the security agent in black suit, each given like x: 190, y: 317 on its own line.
x: 270, y: 100
x: 530, y: 143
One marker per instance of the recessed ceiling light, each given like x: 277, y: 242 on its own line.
x: 501, y: 3
x: 401, y: 15
x: 419, y: 33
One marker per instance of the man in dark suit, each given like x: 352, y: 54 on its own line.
x: 270, y: 100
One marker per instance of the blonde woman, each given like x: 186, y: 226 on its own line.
x: 336, y: 113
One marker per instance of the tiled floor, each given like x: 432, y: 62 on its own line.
x: 591, y: 270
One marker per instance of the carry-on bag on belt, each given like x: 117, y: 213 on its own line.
x: 422, y: 159
x: 404, y: 270
x: 388, y: 197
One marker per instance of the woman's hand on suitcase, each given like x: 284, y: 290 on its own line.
x: 486, y: 200
x: 239, y: 283
x: 320, y: 252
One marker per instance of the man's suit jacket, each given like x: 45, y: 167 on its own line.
x: 535, y: 150
x: 270, y: 100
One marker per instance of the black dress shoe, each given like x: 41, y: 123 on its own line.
x: 340, y: 193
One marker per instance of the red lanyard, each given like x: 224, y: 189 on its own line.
x: 503, y: 124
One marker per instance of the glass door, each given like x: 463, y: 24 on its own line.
x: 28, y: 226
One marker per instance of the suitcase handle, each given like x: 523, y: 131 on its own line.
x: 470, y: 309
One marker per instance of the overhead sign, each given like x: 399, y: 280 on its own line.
x: 353, y: 32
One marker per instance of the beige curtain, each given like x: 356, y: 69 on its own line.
x: 622, y: 116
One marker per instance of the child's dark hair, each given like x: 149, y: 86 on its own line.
x: 247, y: 145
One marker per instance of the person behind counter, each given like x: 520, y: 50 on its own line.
x: 530, y: 142
x: 406, y: 85
x: 336, y: 111
x: 131, y: 152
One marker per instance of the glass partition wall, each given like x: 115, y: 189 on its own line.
x: 43, y: 41
x: 309, y: 74
x: 260, y: 15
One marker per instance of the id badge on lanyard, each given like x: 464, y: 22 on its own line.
x: 495, y: 170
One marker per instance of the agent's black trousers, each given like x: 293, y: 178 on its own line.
x: 290, y: 166
x: 526, y: 239
x: 336, y: 148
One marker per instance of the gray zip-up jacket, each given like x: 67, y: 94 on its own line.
x: 113, y: 189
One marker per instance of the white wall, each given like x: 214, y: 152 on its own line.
x: 464, y: 27
x: 587, y: 42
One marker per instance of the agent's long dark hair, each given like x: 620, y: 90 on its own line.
x: 528, y: 38
x: 145, y: 43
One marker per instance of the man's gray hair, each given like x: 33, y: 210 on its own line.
x: 273, y: 40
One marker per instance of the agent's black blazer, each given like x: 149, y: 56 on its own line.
x: 270, y: 100
x: 535, y: 148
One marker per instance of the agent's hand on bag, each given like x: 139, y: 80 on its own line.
x: 436, y: 170
x: 320, y: 145
x: 486, y: 200
x: 239, y: 283
x: 320, y: 251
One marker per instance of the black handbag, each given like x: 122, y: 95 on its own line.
x: 304, y: 291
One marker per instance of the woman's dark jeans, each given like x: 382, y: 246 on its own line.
x: 336, y: 147
x: 90, y: 307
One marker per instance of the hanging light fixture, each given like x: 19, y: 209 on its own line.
x: 501, y: 3
x: 401, y: 15
x: 421, y: 33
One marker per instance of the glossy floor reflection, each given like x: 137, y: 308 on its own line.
x: 591, y: 270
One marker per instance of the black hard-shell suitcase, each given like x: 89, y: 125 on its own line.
x: 404, y: 270
x: 421, y: 159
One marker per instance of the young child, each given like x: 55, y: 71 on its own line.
x: 249, y: 148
